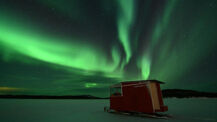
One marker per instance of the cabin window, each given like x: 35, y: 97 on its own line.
x: 116, y: 91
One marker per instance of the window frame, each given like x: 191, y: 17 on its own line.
x: 119, y: 86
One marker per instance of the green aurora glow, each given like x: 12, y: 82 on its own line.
x: 75, y: 55
x: 90, y: 45
x: 125, y: 20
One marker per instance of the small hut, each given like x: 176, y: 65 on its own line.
x: 143, y: 96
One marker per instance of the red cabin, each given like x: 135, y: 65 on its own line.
x: 137, y: 96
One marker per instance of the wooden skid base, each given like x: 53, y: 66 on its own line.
x: 154, y: 115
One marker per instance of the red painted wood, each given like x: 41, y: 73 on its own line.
x: 136, y: 98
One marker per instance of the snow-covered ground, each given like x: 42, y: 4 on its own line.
x: 28, y: 110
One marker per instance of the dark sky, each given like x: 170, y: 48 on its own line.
x: 74, y: 47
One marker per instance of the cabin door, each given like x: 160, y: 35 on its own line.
x: 154, y: 96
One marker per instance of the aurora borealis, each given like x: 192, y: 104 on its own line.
x: 74, y: 47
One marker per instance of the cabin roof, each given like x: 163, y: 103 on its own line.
x: 157, y: 81
x: 135, y: 82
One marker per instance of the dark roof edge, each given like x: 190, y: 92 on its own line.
x: 145, y: 81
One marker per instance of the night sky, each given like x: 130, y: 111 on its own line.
x: 76, y: 47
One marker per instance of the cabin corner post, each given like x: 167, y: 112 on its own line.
x: 160, y: 94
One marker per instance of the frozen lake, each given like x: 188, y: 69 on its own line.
x: 39, y: 110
